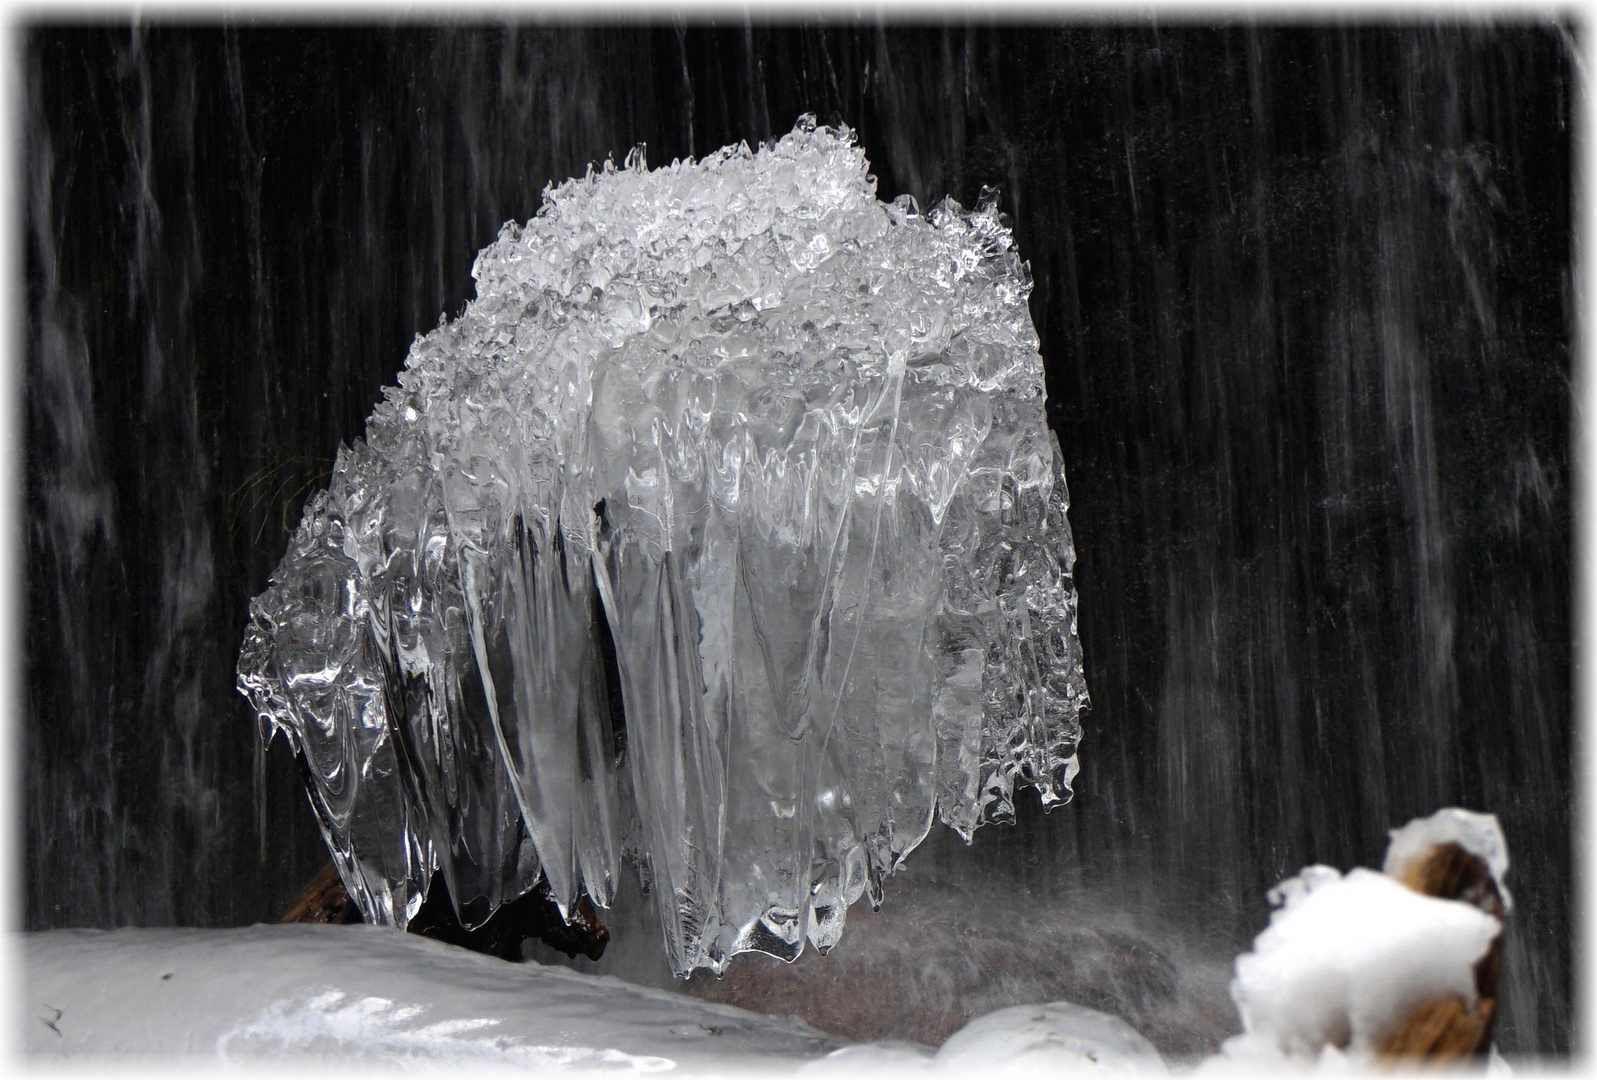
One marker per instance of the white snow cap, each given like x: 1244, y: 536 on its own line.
x: 887, y: 1058
x: 1345, y: 959
x: 1478, y: 834
x: 1055, y: 1038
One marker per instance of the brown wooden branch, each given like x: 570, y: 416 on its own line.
x: 1446, y: 1030
x: 534, y: 915
x: 1442, y: 1031
x: 324, y: 900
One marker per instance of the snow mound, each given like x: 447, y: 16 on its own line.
x: 1344, y: 959
x: 332, y: 997
x: 1052, y: 1038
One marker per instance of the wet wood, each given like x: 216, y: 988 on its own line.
x: 324, y: 900
x: 1442, y: 1031
x: 534, y: 915
x: 1452, y: 873
x: 1446, y: 1030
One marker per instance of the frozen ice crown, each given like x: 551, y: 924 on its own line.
x: 723, y: 531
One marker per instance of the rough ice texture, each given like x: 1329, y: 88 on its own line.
x: 775, y: 447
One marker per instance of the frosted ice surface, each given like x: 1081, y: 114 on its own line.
x: 778, y: 448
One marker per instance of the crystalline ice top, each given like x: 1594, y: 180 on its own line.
x: 723, y: 530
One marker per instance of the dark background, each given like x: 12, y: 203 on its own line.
x: 1305, y: 306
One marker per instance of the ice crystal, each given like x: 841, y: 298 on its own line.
x: 722, y: 530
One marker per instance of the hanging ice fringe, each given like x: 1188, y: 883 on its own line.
x: 723, y: 530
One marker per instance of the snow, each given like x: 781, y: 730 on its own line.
x: 1057, y: 1038
x: 1345, y: 959
x: 335, y: 996
x: 1052, y: 1038
x: 781, y: 443
x: 371, y: 998
x: 894, y: 1058
x: 1479, y: 834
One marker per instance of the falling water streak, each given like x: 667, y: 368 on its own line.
x: 76, y: 497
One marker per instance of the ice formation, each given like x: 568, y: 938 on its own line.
x: 723, y: 530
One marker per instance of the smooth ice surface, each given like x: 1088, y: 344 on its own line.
x: 328, y: 997
x: 1344, y: 959
x: 780, y: 443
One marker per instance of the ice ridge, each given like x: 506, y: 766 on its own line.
x: 722, y: 532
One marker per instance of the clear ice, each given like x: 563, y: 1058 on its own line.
x: 723, y: 532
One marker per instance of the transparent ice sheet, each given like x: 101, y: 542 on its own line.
x: 723, y: 531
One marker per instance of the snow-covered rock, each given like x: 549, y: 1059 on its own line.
x: 1350, y: 961
x: 890, y: 1057
x: 368, y: 996
x: 1349, y: 957
x: 1055, y: 1038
